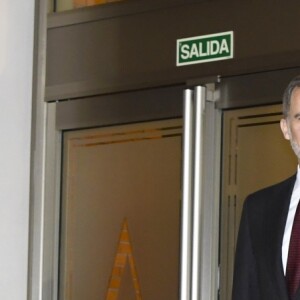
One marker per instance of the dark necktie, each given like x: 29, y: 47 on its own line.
x: 293, y: 263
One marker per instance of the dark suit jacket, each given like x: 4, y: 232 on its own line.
x: 258, y: 272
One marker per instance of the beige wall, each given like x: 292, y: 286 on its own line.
x: 16, y: 64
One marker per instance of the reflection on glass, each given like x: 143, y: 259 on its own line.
x: 50, y: 6
x: 82, y: 3
x: 62, y: 5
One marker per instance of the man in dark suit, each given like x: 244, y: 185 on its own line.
x: 268, y: 246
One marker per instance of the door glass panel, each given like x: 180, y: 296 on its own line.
x: 121, y: 212
x: 255, y: 155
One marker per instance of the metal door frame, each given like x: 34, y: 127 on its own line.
x: 45, y: 238
x: 46, y: 156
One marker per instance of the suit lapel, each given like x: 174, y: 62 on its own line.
x: 278, y: 208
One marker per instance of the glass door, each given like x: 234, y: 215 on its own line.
x: 121, y: 212
x: 255, y: 155
x: 139, y: 220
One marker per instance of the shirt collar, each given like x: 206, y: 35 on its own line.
x: 297, y: 183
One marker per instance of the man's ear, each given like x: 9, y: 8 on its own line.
x: 285, y: 129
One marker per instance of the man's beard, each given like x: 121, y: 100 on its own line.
x: 295, y: 147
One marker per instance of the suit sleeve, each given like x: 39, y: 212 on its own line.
x: 245, y: 279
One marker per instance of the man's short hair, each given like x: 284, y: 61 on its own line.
x: 286, y: 103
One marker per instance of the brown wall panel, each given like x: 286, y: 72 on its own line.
x: 138, y: 50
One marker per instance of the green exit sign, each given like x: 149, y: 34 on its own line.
x: 205, y: 48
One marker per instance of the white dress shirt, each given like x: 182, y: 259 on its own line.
x: 290, y: 219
